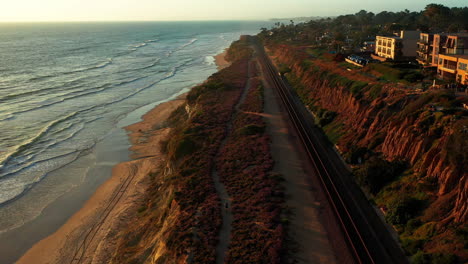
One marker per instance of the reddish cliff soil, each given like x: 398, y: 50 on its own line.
x: 398, y: 124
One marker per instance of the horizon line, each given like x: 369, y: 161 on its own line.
x: 134, y: 21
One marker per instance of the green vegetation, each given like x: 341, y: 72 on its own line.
x: 395, y: 73
x: 252, y: 129
x: 334, y: 131
x: 357, y: 86
x: 324, y: 117
x: 433, y: 258
x: 361, y: 26
x: 375, y: 91
x: 457, y: 144
x: 185, y: 146
x: 402, y: 209
x: 376, y: 172
x: 283, y: 68
x: 239, y: 50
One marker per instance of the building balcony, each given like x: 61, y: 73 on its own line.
x: 448, y: 68
x: 445, y: 46
x: 425, y: 58
x: 422, y: 61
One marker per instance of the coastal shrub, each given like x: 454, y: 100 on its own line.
x: 425, y: 231
x: 309, y: 65
x: 357, y: 87
x: 389, y: 73
x: 402, y: 209
x: 433, y: 258
x: 283, y: 68
x: 376, y: 172
x: 214, y: 85
x: 185, y: 147
x: 244, y: 165
x: 177, y: 116
x: 325, y: 117
x: 421, y: 258
x: 411, y: 246
x: 413, y: 76
x: 375, y: 91
x: 412, y: 225
x: 426, y: 123
x: 456, y: 145
x: 194, y: 142
x: 239, y: 50
x: 356, y: 154
x: 252, y: 130
x: 334, y: 131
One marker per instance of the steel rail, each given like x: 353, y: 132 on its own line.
x: 353, y: 237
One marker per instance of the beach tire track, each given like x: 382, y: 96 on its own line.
x: 80, y: 251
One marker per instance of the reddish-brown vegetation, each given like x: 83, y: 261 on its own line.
x: 213, y: 104
x: 182, y: 216
x: 245, y: 166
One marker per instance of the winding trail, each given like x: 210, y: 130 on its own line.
x: 226, y: 202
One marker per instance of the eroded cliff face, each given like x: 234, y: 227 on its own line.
x: 399, y: 124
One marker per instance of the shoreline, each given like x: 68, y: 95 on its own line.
x: 90, y: 233
x: 220, y: 60
x: 114, y: 201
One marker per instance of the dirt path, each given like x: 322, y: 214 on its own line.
x: 310, y: 242
x: 226, y: 212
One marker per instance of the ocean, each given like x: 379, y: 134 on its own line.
x: 66, y: 88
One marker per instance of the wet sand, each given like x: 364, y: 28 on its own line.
x: 221, y: 61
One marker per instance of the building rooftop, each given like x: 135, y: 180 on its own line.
x: 392, y: 37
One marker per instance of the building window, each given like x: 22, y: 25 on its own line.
x: 462, y: 66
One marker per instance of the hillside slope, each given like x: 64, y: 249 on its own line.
x: 390, y: 130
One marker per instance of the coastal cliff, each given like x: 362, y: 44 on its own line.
x: 425, y: 131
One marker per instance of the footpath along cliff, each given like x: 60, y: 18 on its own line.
x: 385, y: 130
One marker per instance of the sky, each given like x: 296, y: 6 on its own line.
x: 166, y: 10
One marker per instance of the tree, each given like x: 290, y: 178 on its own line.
x: 439, y: 16
x: 376, y: 172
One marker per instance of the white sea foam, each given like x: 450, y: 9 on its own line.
x: 210, y: 60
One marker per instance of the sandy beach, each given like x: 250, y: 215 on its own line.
x: 221, y: 61
x: 89, y: 236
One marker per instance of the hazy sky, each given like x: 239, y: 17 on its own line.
x: 116, y: 10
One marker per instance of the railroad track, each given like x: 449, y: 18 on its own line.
x: 364, y: 242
